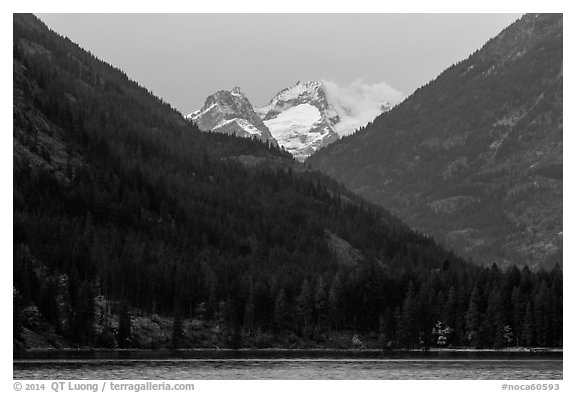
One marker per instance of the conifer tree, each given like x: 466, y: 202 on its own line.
x: 177, y: 329
x: 124, y: 327
x: 408, y: 332
x: 305, y: 308
x: 321, y: 306
x: 250, y: 312
x: 473, y: 319
x: 281, y: 312
x: 335, y: 302
x: 528, y: 326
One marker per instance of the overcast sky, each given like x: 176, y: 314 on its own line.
x: 183, y: 58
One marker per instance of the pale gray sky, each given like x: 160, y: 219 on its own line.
x: 183, y: 58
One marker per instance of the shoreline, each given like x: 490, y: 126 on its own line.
x: 277, y: 353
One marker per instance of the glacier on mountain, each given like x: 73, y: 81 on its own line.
x: 302, y: 118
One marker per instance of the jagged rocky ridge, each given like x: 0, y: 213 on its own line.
x: 230, y: 112
x: 302, y: 118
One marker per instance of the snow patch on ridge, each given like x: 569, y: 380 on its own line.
x: 242, y: 123
x: 299, y: 89
x: 200, y: 112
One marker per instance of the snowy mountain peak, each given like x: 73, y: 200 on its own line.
x: 301, y: 91
x: 230, y: 112
x: 302, y: 118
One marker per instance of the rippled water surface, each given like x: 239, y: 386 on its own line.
x: 540, y: 369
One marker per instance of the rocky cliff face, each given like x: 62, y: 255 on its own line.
x: 474, y: 157
x: 230, y: 112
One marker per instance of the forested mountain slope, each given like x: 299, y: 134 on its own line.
x: 134, y: 229
x: 473, y: 158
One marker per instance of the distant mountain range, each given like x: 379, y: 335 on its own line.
x: 473, y: 158
x: 302, y: 118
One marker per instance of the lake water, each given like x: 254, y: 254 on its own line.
x: 468, y: 366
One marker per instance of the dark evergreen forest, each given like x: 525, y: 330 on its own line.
x: 473, y: 157
x: 123, y: 210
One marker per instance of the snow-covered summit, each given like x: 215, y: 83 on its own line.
x: 302, y: 118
